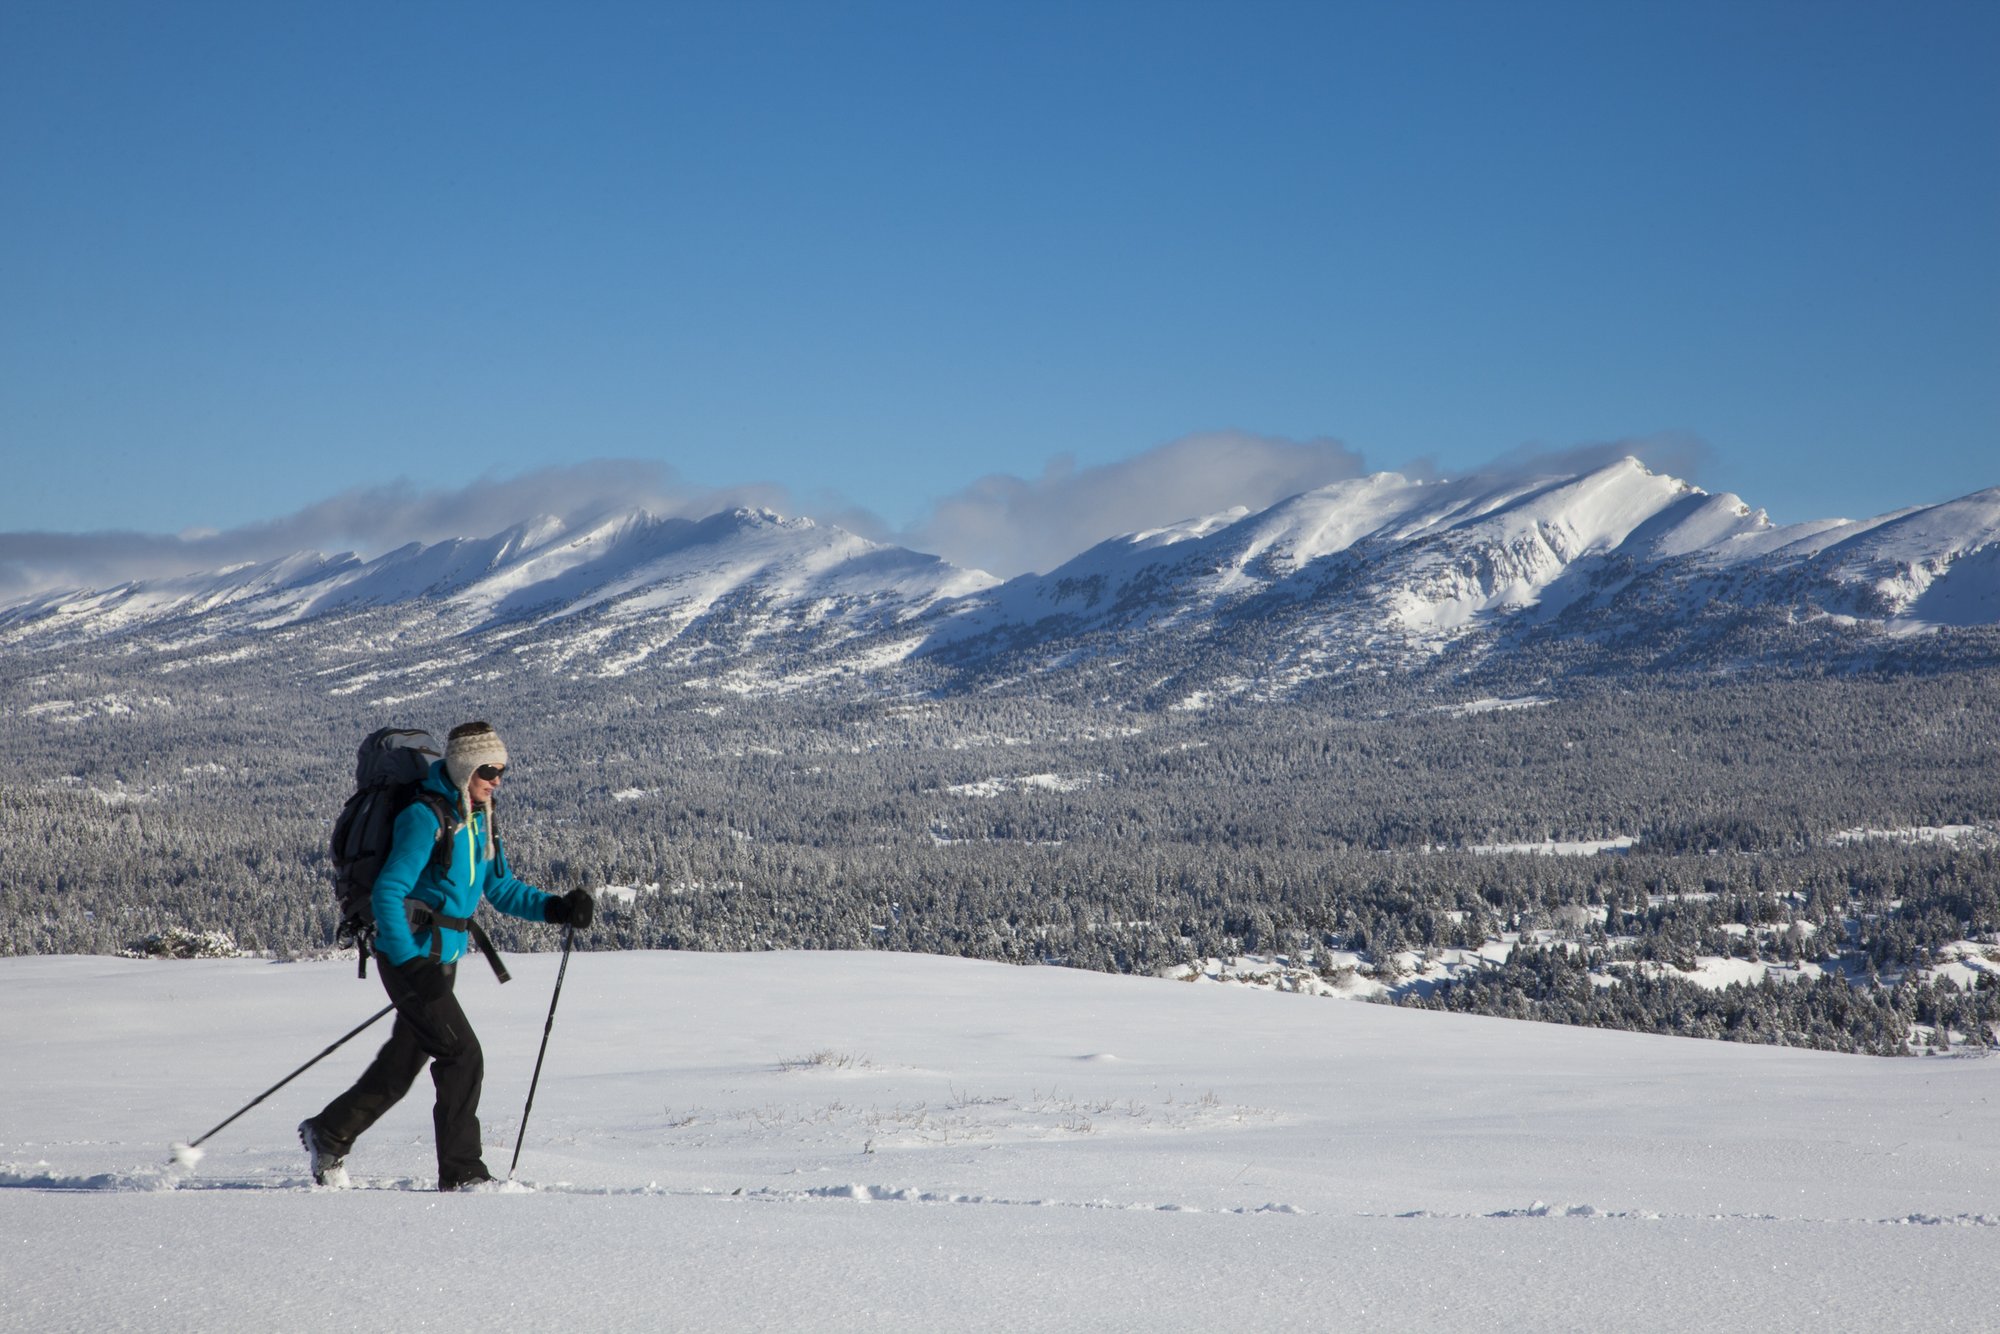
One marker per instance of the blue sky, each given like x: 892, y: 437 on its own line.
x: 867, y: 260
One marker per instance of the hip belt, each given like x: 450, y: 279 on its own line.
x: 423, y: 917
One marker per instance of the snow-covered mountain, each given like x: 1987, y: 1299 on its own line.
x: 768, y: 573
x: 1430, y: 559
x: 1386, y: 571
x: 1425, y: 558
x: 1371, y: 573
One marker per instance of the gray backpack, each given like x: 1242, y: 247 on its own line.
x: 389, y: 771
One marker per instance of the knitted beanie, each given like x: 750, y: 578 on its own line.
x: 469, y: 746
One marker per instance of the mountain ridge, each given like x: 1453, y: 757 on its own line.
x: 1380, y: 572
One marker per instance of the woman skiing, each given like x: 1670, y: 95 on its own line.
x: 424, y: 899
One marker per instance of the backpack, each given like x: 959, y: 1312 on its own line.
x: 389, y: 770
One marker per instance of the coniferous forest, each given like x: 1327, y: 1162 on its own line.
x: 1840, y: 829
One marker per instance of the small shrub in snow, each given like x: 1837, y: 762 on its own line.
x: 827, y: 1059
x: 180, y: 943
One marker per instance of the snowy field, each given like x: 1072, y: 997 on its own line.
x: 877, y: 1141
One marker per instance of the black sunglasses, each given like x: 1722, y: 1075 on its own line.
x: 492, y: 773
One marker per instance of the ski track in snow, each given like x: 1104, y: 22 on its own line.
x: 171, y: 1178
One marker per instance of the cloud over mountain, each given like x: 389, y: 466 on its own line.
x: 1675, y: 453
x: 368, y: 520
x: 1009, y: 525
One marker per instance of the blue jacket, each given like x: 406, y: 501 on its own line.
x: 451, y: 891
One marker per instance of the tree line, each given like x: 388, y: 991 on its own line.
x: 1082, y: 826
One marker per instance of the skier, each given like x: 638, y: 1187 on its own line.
x: 423, y: 905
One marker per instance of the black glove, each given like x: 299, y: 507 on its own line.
x: 575, y: 908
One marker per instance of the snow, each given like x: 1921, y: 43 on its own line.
x: 69, y: 711
x: 1382, y: 569
x: 1561, y: 848
x: 1185, y: 530
x: 1063, y: 782
x: 994, y: 787
x: 1966, y: 964
x: 1443, y: 555
x: 664, y: 573
x: 1349, y: 975
x: 1493, y: 705
x: 985, y: 787
x: 836, y: 1141
x: 1933, y: 564
x: 1713, y: 972
x: 1966, y: 593
x: 1950, y: 833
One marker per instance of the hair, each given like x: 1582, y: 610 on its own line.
x: 469, y: 745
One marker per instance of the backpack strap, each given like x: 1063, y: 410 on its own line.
x: 422, y: 914
x: 447, y: 817
x: 441, y: 854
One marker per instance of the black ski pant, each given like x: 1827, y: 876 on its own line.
x: 430, y: 1026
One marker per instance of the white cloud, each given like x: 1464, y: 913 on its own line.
x: 367, y: 520
x: 1008, y: 525
x: 1675, y: 454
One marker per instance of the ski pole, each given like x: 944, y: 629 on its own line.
x: 352, y: 1032
x: 569, y: 934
